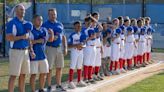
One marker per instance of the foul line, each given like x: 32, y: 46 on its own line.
x: 120, y: 77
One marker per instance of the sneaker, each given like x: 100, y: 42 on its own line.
x: 81, y: 84
x: 41, y: 90
x: 86, y: 81
x: 136, y: 66
x: 71, y: 85
x: 122, y: 70
x: 116, y: 72
x: 95, y: 78
x: 102, y: 74
x: 143, y: 65
x: 110, y: 73
x: 92, y: 81
x: 49, y: 89
x: 60, y: 88
x: 100, y: 78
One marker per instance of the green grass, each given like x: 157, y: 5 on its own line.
x: 159, y: 50
x: 152, y: 84
x: 4, y: 76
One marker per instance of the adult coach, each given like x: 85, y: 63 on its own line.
x: 19, y: 64
x: 55, y: 49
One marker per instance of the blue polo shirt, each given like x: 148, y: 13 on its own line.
x: 39, y: 48
x: 18, y: 28
x: 76, y: 38
x: 58, y: 30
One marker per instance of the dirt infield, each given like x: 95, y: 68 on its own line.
x: 119, y: 82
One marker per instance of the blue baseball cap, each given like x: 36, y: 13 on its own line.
x: 130, y: 29
x: 118, y: 31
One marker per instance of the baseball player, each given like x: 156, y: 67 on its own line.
x: 129, y: 47
x: 141, y: 51
x: 106, y: 33
x: 76, y: 44
x: 115, y: 51
x: 18, y: 37
x: 99, y: 50
x: 148, y: 44
x: 136, y: 36
x: 122, y: 49
x: 141, y: 46
x: 149, y: 38
x: 89, y: 51
x: 39, y: 64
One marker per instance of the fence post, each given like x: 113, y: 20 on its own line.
x: 34, y: 7
x: 4, y: 28
x: 143, y: 8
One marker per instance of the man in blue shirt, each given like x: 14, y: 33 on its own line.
x: 19, y: 64
x: 39, y: 37
x: 55, y: 49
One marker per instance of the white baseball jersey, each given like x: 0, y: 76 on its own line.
x: 141, y: 45
x: 122, y: 44
x: 129, y: 46
x: 76, y: 53
x: 115, y: 49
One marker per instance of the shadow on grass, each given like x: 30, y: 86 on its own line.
x: 28, y: 88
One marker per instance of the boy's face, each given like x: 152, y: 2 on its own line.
x: 52, y: 15
x: 38, y: 21
x: 127, y: 23
x: 77, y: 27
x: 96, y: 17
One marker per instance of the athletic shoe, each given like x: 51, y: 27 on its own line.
x: 102, y: 75
x: 49, y: 89
x: 100, y: 78
x: 71, y: 85
x: 117, y: 72
x: 60, y: 88
x: 143, y: 65
x: 110, y: 73
x: 86, y: 81
x: 122, y: 70
x: 95, y: 78
x: 41, y: 90
x: 92, y: 81
x: 81, y: 84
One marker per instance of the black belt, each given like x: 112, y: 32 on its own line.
x: 54, y: 46
x: 19, y: 48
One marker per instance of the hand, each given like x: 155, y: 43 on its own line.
x: 65, y: 51
x: 50, y: 31
x: 40, y: 40
x: 32, y: 54
x: 25, y: 36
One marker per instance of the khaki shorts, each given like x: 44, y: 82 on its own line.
x: 55, y: 56
x: 19, y: 62
x: 40, y: 66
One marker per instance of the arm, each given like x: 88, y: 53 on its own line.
x: 38, y: 41
x: 64, y: 42
x: 51, y: 35
x: 99, y: 25
x: 11, y: 37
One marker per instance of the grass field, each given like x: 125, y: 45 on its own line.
x: 4, y: 75
x: 152, y: 84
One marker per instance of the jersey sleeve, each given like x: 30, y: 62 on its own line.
x: 70, y: 39
x: 28, y: 26
x: 9, y: 29
x: 47, y: 34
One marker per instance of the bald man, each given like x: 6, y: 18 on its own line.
x: 17, y: 33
